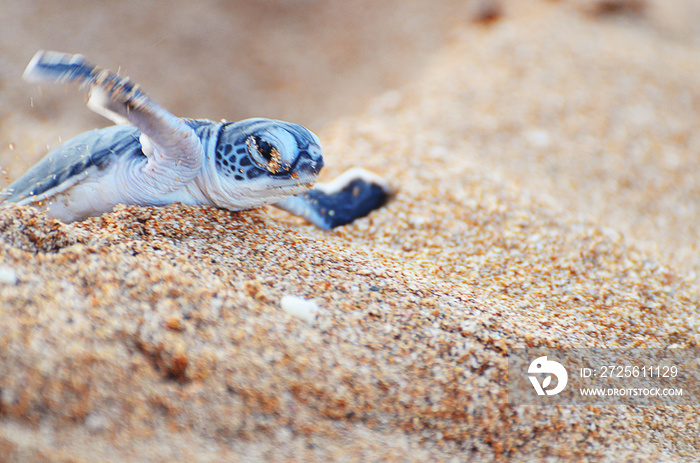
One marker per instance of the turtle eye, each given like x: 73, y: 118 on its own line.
x: 264, y: 148
x: 264, y: 154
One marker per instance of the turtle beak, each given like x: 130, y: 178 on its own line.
x: 308, y: 166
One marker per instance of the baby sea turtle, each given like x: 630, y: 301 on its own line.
x: 153, y: 158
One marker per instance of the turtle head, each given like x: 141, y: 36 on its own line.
x: 261, y: 161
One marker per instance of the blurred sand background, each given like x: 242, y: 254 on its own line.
x: 546, y: 156
x: 299, y: 60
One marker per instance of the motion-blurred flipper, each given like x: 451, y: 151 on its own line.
x: 178, y: 148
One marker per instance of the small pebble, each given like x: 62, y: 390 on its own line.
x: 303, y: 309
x: 96, y: 422
x: 8, y: 276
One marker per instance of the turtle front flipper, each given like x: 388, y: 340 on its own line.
x: 174, y: 150
x: 352, y: 195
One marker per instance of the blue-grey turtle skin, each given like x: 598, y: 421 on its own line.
x: 154, y: 158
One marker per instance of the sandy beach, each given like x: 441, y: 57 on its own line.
x: 546, y: 160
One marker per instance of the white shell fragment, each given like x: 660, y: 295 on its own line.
x: 8, y: 276
x: 303, y: 309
